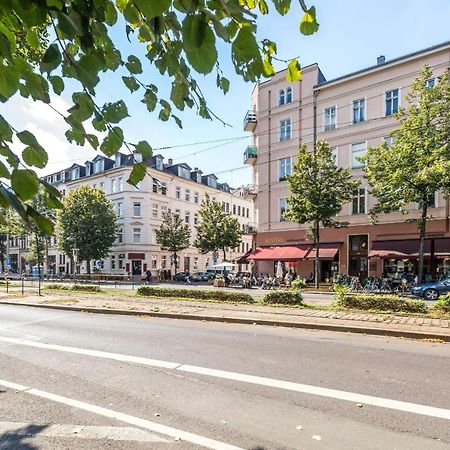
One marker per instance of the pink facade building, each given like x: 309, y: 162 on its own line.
x: 352, y: 113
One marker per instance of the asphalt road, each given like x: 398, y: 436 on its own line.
x: 85, y: 381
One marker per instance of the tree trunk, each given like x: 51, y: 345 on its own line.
x: 175, y: 258
x: 88, y: 266
x: 317, y: 247
x: 224, y: 254
x: 2, y: 255
x: 422, y: 229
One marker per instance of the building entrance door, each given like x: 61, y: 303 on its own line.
x: 136, y: 267
x: 358, y: 256
x: 187, y: 264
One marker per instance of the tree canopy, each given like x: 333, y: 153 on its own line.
x: 180, y: 37
x: 318, y: 190
x: 417, y: 163
x: 216, y: 229
x: 87, y: 222
x: 173, y: 235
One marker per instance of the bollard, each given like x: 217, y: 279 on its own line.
x: 7, y: 285
x: 22, y: 284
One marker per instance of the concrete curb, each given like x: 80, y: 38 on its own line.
x: 394, y: 332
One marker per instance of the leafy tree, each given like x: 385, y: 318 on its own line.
x: 87, y: 222
x: 11, y: 226
x: 318, y: 189
x: 178, y: 36
x: 173, y: 235
x: 216, y: 229
x: 417, y: 164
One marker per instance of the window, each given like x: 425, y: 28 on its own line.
x: 281, y: 98
x: 164, y: 188
x: 334, y: 153
x: 284, y: 206
x: 177, y: 212
x: 98, y: 165
x: 430, y: 83
x: 120, y: 263
x: 288, y: 95
x: 155, y: 211
x: 187, y: 195
x: 159, y: 164
x: 113, y: 262
x: 238, y: 210
x: 118, y: 160
x: 389, y: 140
x: 234, y: 209
x: 120, y: 209
x: 285, y: 130
x: 154, y: 261
x: 248, y: 212
x: 330, y: 118
x: 163, y: 209
x: 75, y: 174
x: 113, y: 186
x: 136, y: 235
x: 178, y: 192
x: 195, y: 262
x: 155, y: 186
x: 195, y: 219
x: 62, y: 259
x: 187, y: 217
x: 359, y: 110
x: 120, y: 184
x: 227, y: 208
x: 120, y: 236
x: 136, y: 209
x: 358, y: 151
x: 196, y: 197
x: 285, y: 168
x: 163, y: 261
x: 102, y: 186
x: 359, y: 201
x: 391, y: 102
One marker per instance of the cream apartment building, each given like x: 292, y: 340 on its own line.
x: 167, y: 185
x: 351, y: 112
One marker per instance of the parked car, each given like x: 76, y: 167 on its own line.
x: 182, y: 276
x: 200, y: 276
x: 432, y: 290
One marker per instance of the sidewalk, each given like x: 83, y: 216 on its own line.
x: 356, y: 322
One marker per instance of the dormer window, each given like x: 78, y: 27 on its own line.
x: 159, y: 163
x: 184, y: 173
x: 212, y: 182
x: 98, y: 166
x: 288, y: 95
x: 88, y: 169
x: 75, y: 173
x: 137, y: 157
x: 118, y: 161
x: 281, y: 98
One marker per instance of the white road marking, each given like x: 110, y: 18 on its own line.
x: 132, y: 420
x: 353, y: 397
x: 79, y: 431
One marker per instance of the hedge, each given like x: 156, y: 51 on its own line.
x: 443, y: 304
x: 293, y: 297
x: 195, y: 294
x: 74, y: 287
x: 381, y: 303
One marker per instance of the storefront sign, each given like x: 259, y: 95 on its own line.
x: 136, y: 256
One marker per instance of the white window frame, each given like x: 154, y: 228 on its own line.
x: 359, y: 203
x: 187, y: 217
x: 136, y: 235
x: 286, y: 208
x: 283, y: 165
x: 364, y: 110
x: 399, y: 96
x: 285, y: 126
x: 120, y: 210
x: 328, y: 125
x: 137, y: 208
x: 187, y: 195
x: 178, y: 192
x: 196, y: 197
x: 359, y: 165
x: 113, y: 186
x: 335, y: 153
x: 431, y: 82
x: 281, y: 97
x: 290, y: 91
x: 155, y: 210
x: 120, y: 184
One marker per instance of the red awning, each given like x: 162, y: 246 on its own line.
x: 244, y: 259
x: 442, y: 247
x: 280, y: 253
x: 408, y: 248
x: 386, y: 254
x: 326, y: 251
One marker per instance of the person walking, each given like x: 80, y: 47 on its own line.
x: 148, y: 276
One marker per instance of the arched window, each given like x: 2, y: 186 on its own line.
x: 288, y: 95
x: 281, y: 98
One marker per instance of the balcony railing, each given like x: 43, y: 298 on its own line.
x: 250, y: 155
x: 250, y: 121
x: 251, y: 190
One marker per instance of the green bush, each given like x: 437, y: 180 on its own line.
x: 284, y: 297
x: 340, y: 291
x: 298, y: 283
x: 443, y: 304
x: 74, y: 287
x: 381, y: 303
x: 195, y: 294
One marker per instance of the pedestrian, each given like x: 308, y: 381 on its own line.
x: 148, y: 275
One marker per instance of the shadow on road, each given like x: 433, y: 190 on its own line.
x: 14, y: 439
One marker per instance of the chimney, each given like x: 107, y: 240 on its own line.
x: 381, y: 60
x: 195, y: 169
x: 170, y: 162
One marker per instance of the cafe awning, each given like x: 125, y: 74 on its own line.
x: 326, y: 251
x: 280, y: 253
x: 442, y: 247
x: 408, y: 248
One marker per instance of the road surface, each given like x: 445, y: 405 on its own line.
x: 91, y: 381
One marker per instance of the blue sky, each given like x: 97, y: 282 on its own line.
x: 351, y: 36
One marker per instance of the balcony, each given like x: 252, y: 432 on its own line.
x: 250, y: 155
x: 250, y: 121
x: 250, y: 228
x: 250, y: 191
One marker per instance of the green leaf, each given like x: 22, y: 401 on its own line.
x: 130, y: 83
x: 246, y: 55
x: 43, y: 223
x: 150, y: 100
x: 25, y: 183
x: 143, y: 147
x: 110, y: 14
x: 224, y: 84
x: 27, y: 138
x: 138, y: 173
x: 5, y: 130
x: 113, y: 141
x: 177, y: 121
x: 294, y: 72
x: 9, y: 80
x: 4, y: 172
x: 38, y: 87
x: 70, y: 24
x: 35, y: 156
x: 282, y: 6
x: 263, y: 7
x: 268, y: 69
x: 51, y: 59
x: 93, y: 140
x: 308, y: 24
x: 153, y: 8
x: 57, y: 84
x: 121, y: 4
x: 134, y: 64
x: 115, y: 112
x: 199, y: 43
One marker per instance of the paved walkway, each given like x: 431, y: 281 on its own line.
x: 276, y: 315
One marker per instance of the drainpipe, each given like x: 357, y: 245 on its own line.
x: 315, y: 93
